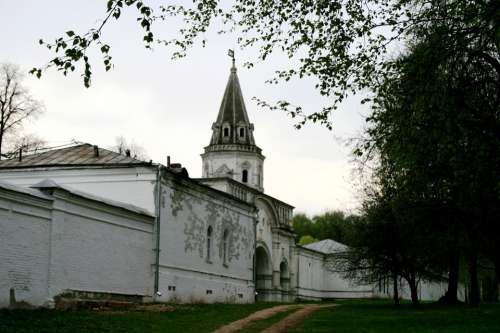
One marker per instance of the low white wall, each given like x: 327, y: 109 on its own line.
x: 316, y: 280
x: 67, y: 242
x: 427, y: 291
x: 24, y: 247
x: 99, y: 248
x: 310, y: 275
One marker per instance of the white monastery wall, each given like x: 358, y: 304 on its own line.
x: 337, y: 287
x: 67, y: 242
x: 264, y: 227
x: 24, y: 247
x: 427, y: 291
x: 309, y: 275
x: 129, y: 185
x: 318, y: 281
x: 188, y: 272
x: 101, y: 249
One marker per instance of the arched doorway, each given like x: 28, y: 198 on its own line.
x: 284, y: 276
x: 263, y: 275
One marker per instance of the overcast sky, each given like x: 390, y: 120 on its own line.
x: 168, y: 107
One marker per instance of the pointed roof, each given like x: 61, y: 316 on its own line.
x: 232, y: 108
x: 232, y: 113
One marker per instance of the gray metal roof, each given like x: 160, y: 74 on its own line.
x: 36, y: 191
x: 51, y: 184
x: 26, y: 190
x: 81, y: 154
x: 327, y: 246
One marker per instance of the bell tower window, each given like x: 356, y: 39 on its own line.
x: 244, y: 176
x: 242, y: 133
x: 226, y: 132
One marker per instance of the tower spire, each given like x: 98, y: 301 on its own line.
x: 231, y: 54
x: 232, y: 125
x: 232, y: 151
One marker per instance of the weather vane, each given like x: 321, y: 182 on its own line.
x: 231, y: 54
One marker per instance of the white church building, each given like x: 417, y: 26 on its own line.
x: 85, y: 222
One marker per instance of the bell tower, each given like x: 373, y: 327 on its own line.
x: 232, y: 152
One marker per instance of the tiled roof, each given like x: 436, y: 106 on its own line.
x: 327, y: 246
x: 82, y: 154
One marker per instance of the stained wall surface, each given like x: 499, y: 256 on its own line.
x: 198, y: 265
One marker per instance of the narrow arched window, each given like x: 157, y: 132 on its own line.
x: 226, y: 132
x: 242, y: 132
x: 244, y: 176
x: 224, y: 246
x: 209, y: 242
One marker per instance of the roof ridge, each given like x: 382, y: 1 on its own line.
x: 79, y: 154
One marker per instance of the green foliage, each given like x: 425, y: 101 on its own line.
x: 330, y: 225
x: 342, y: 44
x: 433, y: 141
x: 307, y: 239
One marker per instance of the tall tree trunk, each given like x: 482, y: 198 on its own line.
x: 497, y: 279
x: 395, y: 291
x: 454, y: 267
x: 412, y: 283
x: 474, y: 282
x: 1, y: 141
x: 451, y: 295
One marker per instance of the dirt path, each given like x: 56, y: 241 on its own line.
x: 295, y: 318
x: 256, y: 316
x: 303, y: 311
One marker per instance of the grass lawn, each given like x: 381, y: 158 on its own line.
x: 185, y: 319
x: 351, y: 316
x: 382, y: 317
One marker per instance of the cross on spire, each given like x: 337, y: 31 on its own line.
x: 230, y: 53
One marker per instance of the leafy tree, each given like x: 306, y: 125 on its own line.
x: 330, y: 225
x: 16, y: 104
x: 434, y: 134
x: 307, y: 239
x: 342, y: 44
x: 334, y: 225
x: 302, y: 225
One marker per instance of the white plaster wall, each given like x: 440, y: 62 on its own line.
x: 129, y: 185
x: 310, y: 275
x: 317, y: 280
x: 186, y: 214
x: 234, y: 161
x: 264, y: 227
x: 48, y: 246
x: 100, y: 250
x: 427, y: 291
x: 24, y: 248
x: 335, y: 286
